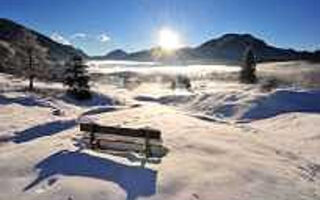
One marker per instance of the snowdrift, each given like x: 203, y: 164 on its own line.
x: 244, y: 106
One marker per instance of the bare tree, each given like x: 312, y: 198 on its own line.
x: 35, y: 56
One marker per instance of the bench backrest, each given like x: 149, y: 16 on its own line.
x: 138, y: 133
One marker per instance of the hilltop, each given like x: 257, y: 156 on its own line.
x: 13, y: 51
x: 227, y: 48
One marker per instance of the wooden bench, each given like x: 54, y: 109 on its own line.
x: 143, y: 140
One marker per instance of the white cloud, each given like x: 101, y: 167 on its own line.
x: 59, y: 38
x: 79, y: 36
x: 104, y: 38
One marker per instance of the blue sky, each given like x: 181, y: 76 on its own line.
x: 98, y: 26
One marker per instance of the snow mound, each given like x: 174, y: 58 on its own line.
x: 249, y: 107
x: 284, y: 101
x: 244, y: 106
x: 136, y: 181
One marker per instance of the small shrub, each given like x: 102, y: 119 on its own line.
x: 181, y: 82
x: 269, y: 85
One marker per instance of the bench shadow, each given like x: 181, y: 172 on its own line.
x: 136, y: 181
x: 284, y: 101
x: 100, y: 110
x: 43, y: 130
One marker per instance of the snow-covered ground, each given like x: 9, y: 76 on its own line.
x: 226, y: 140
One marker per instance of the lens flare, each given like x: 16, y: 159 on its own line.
x: 168, y: 39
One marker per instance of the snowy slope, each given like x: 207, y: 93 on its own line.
x: 211, y: 156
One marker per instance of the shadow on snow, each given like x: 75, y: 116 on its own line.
x: 136, y: 181
x: 43, y: 130
x: 284, y: 102
x: 28, y: 101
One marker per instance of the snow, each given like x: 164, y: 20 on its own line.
x: 249, y: 105
x: 136, y: 181
x: 226, y: 140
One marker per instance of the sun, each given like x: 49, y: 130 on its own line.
x: 168, y: 40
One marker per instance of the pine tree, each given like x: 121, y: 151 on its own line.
x: 77, y: 79
x: 248, y: 68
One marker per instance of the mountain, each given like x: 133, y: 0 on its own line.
x: 13, y: 50
x: 117, y: 54
x: 232, y: 46
x: 9, y: 31
x: 227, y: 48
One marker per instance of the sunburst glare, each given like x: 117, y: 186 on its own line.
x: 168, y: 39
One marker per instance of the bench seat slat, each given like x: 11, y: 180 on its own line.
x: 139, y: 133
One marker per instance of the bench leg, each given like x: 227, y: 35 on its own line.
x: 146, y: 151
x: 147, y: 148
x: 92, y: 140
x: 98, y: 145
